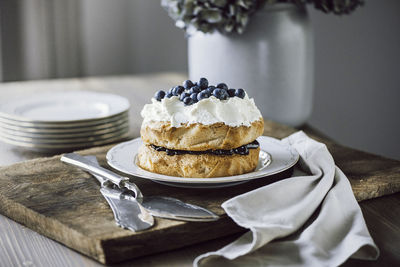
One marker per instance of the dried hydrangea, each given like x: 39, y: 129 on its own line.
x: 208, y: 15
x: 228, y: 16
x: 337, y: 7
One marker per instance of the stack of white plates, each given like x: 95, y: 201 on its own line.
x: 64, y: 121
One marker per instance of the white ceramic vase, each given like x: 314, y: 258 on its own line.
x: 273, y: 60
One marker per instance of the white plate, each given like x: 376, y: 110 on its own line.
x: 68, y: 106
x: 59, y: 125
x: 275, y: 157
x: 64, y: 130
x: 86, y: 132
x: 64, y: 147
x: 66, y: 140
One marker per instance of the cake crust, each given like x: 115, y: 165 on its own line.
x: 196, y: 166
x: 199, y: 137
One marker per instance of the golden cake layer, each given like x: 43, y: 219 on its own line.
x: 199, y: 137
x: 200, y: 166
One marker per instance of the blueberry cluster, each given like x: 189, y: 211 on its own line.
x: 190, y: 93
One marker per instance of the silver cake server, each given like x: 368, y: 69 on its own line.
x: 167, y: 207
x: 128, y: 212
x: 164, y: 207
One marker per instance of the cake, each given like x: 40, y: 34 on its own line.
x: 202, y: 131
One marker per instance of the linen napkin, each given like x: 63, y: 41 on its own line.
x: 312, y: 219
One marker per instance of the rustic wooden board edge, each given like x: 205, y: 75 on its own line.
x: 127, y: 248
x: 41, y: 224
x: 370, y: 175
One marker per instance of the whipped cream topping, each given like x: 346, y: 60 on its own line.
x: 233, y: 112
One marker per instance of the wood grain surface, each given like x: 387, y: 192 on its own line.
x: 29, y: 193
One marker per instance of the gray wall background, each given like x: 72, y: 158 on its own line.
x: 357, y: 59
x: 357, y: 81
x: 127, y: 36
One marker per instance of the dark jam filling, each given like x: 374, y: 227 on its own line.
x: 242, y: 150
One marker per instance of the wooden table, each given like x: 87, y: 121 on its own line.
x: 20, y: 246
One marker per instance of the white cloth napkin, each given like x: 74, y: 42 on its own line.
x: 308, y: 220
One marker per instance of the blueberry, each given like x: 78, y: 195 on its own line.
x: 243, y: 150
x: 170, y: 152
x: 169, y: 95
x: 217, y: 93
x: 220, y: 94
x: 224, y: 94
x: 240, y: 93
x: 203, y: 83
x: 202, y: 95
x: 188, y: 100
x: 231, y: 92
x: 195, y: 89
x: 194, y: 97
x: 222, y: 86
x: 210, y: 89
x: 159, y: 95
x: 188, y: 84
x: 178, y: 90
x: 183, y: 95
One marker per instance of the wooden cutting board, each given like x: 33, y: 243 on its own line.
x: 64, y: 203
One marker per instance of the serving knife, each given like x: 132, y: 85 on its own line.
x: 128, y: 212
x: 159, y: 206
